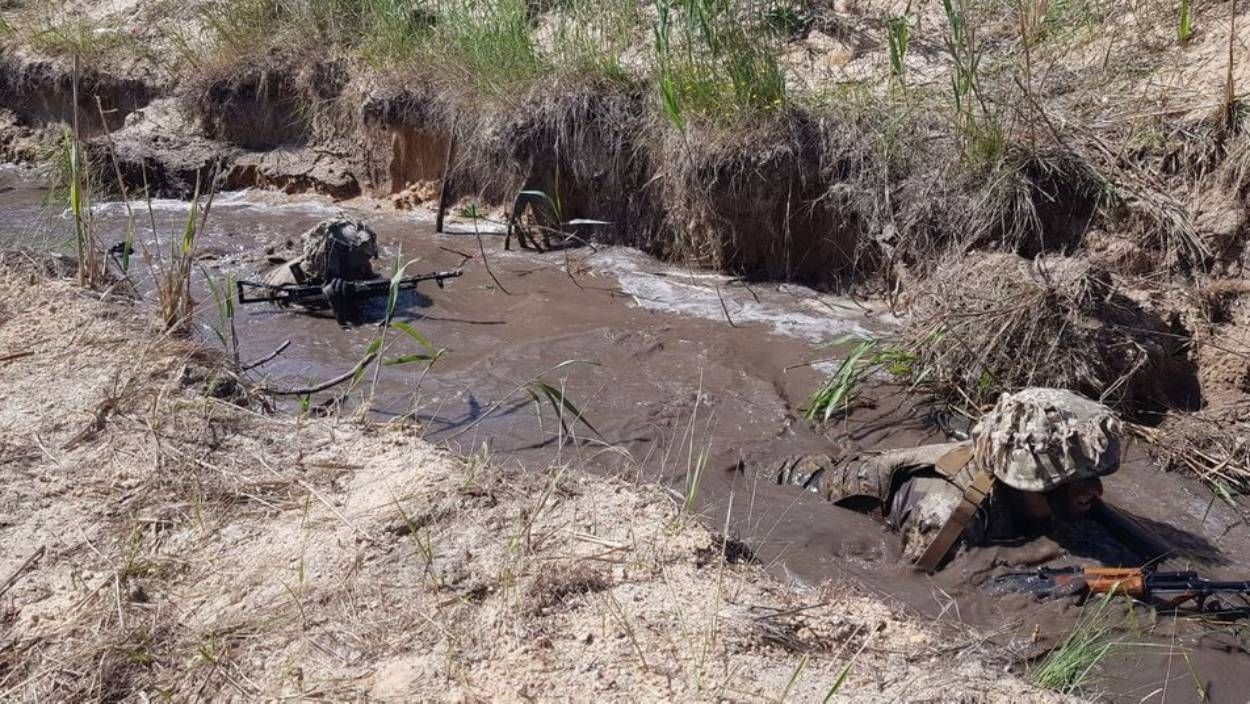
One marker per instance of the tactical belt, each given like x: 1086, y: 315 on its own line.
x: 949, y: 466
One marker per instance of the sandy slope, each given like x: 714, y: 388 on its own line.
x: 199, y: 550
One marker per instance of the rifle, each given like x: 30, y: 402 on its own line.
x: 314, y: 296
x: 1167, y: 590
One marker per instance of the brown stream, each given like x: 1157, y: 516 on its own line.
x: 668, y: 364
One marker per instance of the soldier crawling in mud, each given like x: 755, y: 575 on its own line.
x: 1033, y: 461
x: 335, y: 252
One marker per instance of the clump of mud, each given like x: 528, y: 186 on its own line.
x: 984, y: 322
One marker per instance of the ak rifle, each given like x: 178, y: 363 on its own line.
x: 314, y: 295
x: 1164, y: 590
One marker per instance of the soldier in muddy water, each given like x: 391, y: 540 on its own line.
x: 1032, y: 463
x: 335, y: 252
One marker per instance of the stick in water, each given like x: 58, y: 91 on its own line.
x: 267, y: 358
x: 325, y: 385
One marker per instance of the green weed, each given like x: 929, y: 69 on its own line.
x: 837, y: 684
x: 172, y: 269
x: 976, y: 122
x: 78, y: 191
x: 841, y: 389
x: 424, y: 544
x: 223, y: 302
x: 429, y: 354
x: 789, y: 21
x: 1072, y: 666
x: 73, y: 36
x: 898, y: 31
x: 380, y: 30
x: 487, y: 45
x: 714, y: 59
x: 694, y: 479
x: 304, y: 401
x: 794, y: 677
x: 538, y: 390
x: 1185, y: 24
x: 1061, y: 19
x: 590, y: 37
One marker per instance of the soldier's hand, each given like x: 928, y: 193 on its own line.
x: 339, y: 294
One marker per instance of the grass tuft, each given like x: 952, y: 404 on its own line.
x: 869, y: 356
x: 69, y: 36
x: 715, y: 59
x: 1072, y: 667
x: 898, y: 32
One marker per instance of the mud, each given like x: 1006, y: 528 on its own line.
x: 669, y: 365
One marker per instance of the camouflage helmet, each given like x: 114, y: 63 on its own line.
x: 340, y: 249
x: 1038, y: 439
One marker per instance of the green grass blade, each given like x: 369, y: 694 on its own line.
x: 837, y: 684
x: 417, y: 337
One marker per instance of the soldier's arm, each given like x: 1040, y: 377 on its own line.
x: 920, y: 508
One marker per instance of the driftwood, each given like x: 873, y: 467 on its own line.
x: 327, y: 384
x: 267, y: 358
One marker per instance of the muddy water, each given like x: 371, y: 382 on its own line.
x: 669, y: 365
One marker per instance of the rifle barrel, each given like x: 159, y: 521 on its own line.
x: 1225, y: 586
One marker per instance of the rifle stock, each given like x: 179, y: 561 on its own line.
x: 1115, y: 580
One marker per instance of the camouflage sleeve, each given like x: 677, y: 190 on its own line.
x: 920, y: 508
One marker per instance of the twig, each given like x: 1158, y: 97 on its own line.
x: 485, y: 262
x: 326, y: 385
x: 16, y: 355
x: 267, y: 358
x: 587, y: 537
x: 724, y: 307
x: 30, y: 562
x: 458, y: 253
x: 444, y: 191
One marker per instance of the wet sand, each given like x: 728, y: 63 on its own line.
x: 670, y: 365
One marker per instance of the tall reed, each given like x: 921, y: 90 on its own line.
x: 92, y: 264
x: 977, y: 123
x: 715, y: 59
x: 172, y: 270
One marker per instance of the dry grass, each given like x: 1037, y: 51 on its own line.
x: 1209, y: 445
x: 984, y: 324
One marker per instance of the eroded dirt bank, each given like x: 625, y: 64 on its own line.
x: 178, y: 546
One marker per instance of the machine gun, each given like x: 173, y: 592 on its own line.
x: 339, y: 295
x: 314, y: 295
x: 1173, y: 591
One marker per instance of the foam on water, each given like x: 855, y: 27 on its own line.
x: 657, y: 287
x: 247, y: 199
